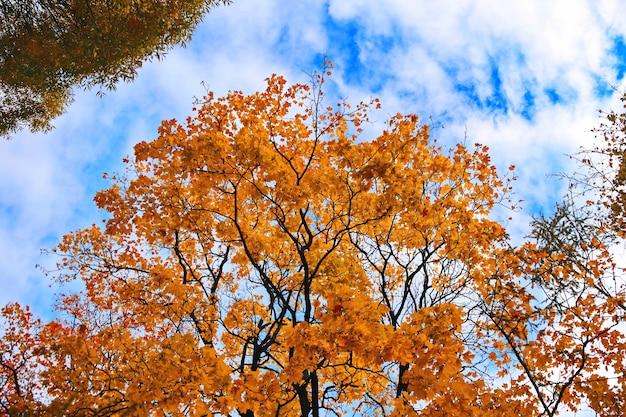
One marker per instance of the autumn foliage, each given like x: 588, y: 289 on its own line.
x: 263, y: 259
x: 50, y: 47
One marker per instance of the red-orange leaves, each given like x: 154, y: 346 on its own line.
x: 22, y: 355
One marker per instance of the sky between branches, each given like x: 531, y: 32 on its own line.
x: 524, y: 77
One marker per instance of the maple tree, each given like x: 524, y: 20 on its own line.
x: 559, y: 309
x: 49, y: 47
x: 261, y: 259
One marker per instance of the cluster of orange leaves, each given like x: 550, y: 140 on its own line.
x: 263, y: 259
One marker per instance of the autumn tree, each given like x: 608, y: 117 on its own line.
x: 604, y: 170
x: 555, y: 315
x: 49, y: 47
x: 261, y: 259
x: 22, y: 353
x: 566, y: 340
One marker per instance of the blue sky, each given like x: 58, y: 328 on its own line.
x: 524, y: 77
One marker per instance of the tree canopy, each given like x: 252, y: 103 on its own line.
x: 48, y: 47
x: 261, y: 259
